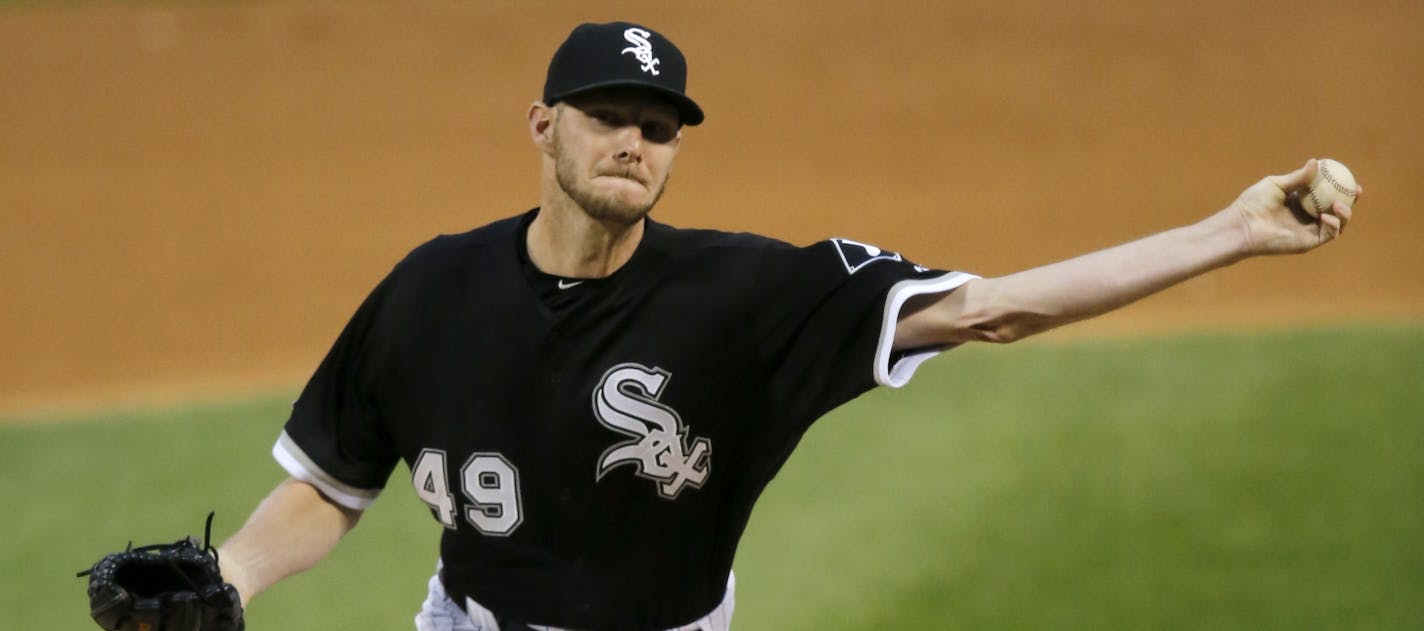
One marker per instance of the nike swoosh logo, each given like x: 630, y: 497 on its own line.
x: 563, y: 284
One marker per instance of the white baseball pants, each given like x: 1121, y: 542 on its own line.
x: 439, y: 613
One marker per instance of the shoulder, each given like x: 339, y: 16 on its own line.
x: 465, y: 247
x: 486, y: 255
x: 769, y: 256
x: 690, y: 243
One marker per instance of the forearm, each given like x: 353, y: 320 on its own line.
x: 1259, y: 222
x: 289, y: 532
x: 1039, y: 299
x: 1012, y: 307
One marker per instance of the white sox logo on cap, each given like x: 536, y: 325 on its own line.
x: 642, y: 49
x: 598, y: 56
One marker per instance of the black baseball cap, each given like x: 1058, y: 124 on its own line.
x: 620, y: 54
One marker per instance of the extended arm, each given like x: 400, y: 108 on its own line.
x: 291, y: 530
x: 1012, y: 307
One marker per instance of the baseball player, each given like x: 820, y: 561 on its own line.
x: 590, y: 401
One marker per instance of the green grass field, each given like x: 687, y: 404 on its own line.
x: 1268, y: 481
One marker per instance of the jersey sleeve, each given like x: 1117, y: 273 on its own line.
x: 335, y: 439
x: 828, y: 318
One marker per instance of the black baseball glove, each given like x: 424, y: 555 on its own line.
x: 163, y: 587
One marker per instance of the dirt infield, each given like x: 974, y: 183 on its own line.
x: 194, y: 198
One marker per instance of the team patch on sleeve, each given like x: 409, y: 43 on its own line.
x: 855, y: 255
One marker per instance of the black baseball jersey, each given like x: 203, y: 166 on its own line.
x: 593, y: 447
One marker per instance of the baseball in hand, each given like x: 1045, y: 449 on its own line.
x: 1333, y: 182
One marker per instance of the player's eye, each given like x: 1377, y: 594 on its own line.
x: 659, y: 131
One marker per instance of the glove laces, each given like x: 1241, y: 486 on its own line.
x: 187, y: 542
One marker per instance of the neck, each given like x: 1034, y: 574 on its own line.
x: 565, y: 241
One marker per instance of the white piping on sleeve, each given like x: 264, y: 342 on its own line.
x: 900, y: 374
x: 300, y: 466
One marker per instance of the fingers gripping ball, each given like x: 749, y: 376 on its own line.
x: 1333, y: 182
x: 163, y: 587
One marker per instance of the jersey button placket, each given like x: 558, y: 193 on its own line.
x: 554, y: 352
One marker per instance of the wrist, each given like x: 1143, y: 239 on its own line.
x: 232, y: 574
x: 1228, y: 233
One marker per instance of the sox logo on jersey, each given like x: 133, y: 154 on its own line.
x: 626, y: 401
x: 642, y: 49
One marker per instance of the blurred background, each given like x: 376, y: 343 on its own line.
x: 195, y: 196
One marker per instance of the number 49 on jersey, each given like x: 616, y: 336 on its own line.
x: 487, y: 480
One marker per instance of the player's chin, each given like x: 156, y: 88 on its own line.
x: 619, y: 209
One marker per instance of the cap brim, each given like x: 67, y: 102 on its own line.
x: 688, y: 111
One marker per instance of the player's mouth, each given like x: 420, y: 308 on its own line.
x: 625, y: 175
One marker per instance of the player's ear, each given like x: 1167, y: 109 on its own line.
x: 541, y: 125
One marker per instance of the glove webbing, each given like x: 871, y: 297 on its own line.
x: 195, y: 586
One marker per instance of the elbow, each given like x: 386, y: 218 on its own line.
x: 991, y: 315
x: 1000, y: 334
x: 981, y: 311
x: 1003, y: 330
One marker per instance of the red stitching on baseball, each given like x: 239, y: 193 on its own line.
x: 1314, y: 203
x: 1330, y: 179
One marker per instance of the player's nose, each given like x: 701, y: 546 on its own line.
x: 630, y: 144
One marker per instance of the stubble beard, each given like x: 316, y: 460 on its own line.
x: 601, y: 207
